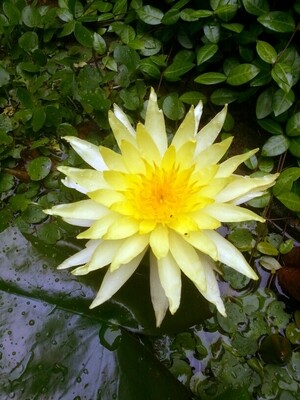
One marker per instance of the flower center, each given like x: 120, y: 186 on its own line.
x: 161, y: 195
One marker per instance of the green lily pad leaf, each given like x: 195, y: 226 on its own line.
x: 4, y: 77
x: 275, y: 146
x: 276, y: 314
x: 293, y: 333
x: 269, y: 263
x: 242, y: 239
x: 241, y: 74
x: 49, y: 233
x: 39, y: 168
x: 7, y: 182
x: 267, y: 248
x: 235, y: 316
x: 28, y: 41
x: 54, y: 346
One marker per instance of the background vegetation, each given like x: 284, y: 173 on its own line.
x: 62, y: 66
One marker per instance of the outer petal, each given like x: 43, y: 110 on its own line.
x: 84, y: 209
x: 114, y: 280
x: 130, y: 248
x: 227, y: 167
x: 122, y: 117
x: 229, y: 255
x: 121, y: 131
x: 86, y: 180
x: 100, y: 227
x: 231, y: 213
x: 101, y: 257
x: 187, y: 259
x: 170, y: 278
x: 88, y: 152
x: 159, y: 241
x: 147, y: 147
x: 187, y: 128
x: 208, y: 134
x: 158, y: 296
x: 202, y: 243
x: 212, y: 154
x: 113, y: 160
x: 122, y: 228
x: 212, y: 293
x: 82, y: 256
x: 155, y: 123
x: 242, y: 185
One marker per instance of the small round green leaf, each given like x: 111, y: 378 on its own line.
x: 173, y: 108
x: 293, y: 125
x: 39, y: 168
x: 49, y: 233
x: 6, y: 182
x: 31, y: 16
x: 275, y: 146
x: 256, y: 7
x: 267, y: 248
x: 269, y: 263
x: 206, y: 52
x: 4, y: 77
x: 150, y: 15
x: 266, y: 52
x: 241, y: 74
x: 211, y: 78
x: 28, y: 41
x: 282, y: 101
x: 278, y: 21
x: 212, y: 32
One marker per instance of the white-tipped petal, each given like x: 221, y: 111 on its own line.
x: 88, y: 152
x: 212, y: 293
x: 114, y: 280
x: 155, y: 123
x: 158, y: 297
x: 229, y: 255
x: 82, y: 257
x: 84, y: 209
x: 186, y: 130
x: 122, y: 117
x: 187, y: 259
x: 198, y: 113
x: 227, y: 167
x: 170, y: 278
x: 130, y: 248
x: 208, y: 134
x: 83, y: 180
x: 231, y: 213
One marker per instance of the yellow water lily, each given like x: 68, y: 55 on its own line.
x: 165, y: 198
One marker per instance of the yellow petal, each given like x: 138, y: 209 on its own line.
x: 103, y: 254
x: 132, y: 158
x: 185, y: 155
x: 147, y: 226
x: 231, y: 213
x: 213, y: 153
x: 229, y: 255
x: 159, y: 241
x: 114, y: 280
x: 241, y: 185
x: 122, y: 228
x: 120, y: 131
x: 187, y: 259
x: 227, y: 167
x: 81, y: 257
x: 155, y: 123
x: 116, y: 180
x: 84, y: 209
x: 208, y: 134
x: 146, y: 145
x: 129, y: 249
x: 170, y: 278
x: 122, y: 117
x: 212, y: 293
x: 113, y: 160
x: 99, y: 228
x: 158, y: 297
x: 88, y: 152
x: 205, y: 221
x: 186, y: 130
x: 106, y: 197
x: 88, y: 179
x: 183, y: 224
x: 203, y: 243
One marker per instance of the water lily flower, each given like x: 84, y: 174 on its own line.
x: 165, y: 198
